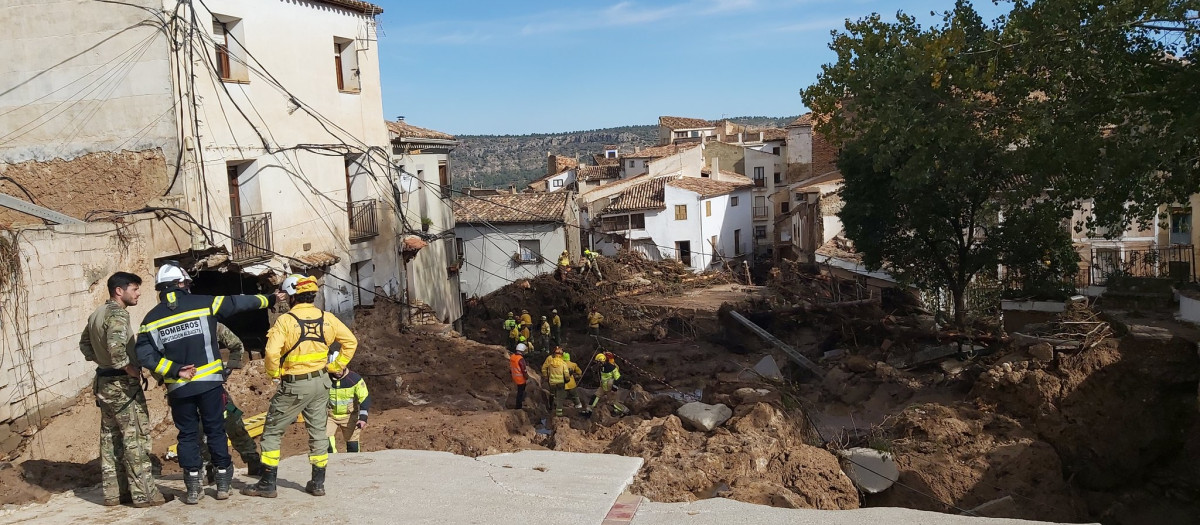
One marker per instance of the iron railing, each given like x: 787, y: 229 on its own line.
x: 251, y: 237
x: 1176, y: 262
x: 760, y: 212
x: 363, y: 225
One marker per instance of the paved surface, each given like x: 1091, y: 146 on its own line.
x: 394, y: 486
x: 724, y: 511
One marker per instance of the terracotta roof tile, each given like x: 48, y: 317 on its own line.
x: 645, y: 196
x: 803, y: 120
x: 707, y: 187
x: 365, y: 8
x: 774, y: 134
x: 512, y: 208
x: 601, y: 160
x: 684, y: 123
x: 595, y: 173
x: 405, y: 130
x: 661, y: 151
x: 318, y: 259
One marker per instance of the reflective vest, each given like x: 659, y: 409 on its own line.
x: 510, y: 323
x: 555, y: 370
x: 516, y: 366
x: 545, y: 328
x: 564, y: 260
x: 345, y: 392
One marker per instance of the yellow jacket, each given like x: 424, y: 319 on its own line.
x: 526, y: 319
x: 309, y: 355
x: 594, y: 319
x: 557, y: 371
x: 545, y: 328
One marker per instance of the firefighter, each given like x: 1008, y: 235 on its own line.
x: 297, y: 354
x: 609, y: 374
x: 545, y: 331
x: 594, y: 320
x: 526, y: 319
x: 564, y: 265
x: 520, y: 373
x: 573, y: 379
x: 556, y: 326
x: 349, y: 401
x: 590, y: 264
x: 557, y: 372
x: 526, y: 335
x: 178, y: 342
x: 510, y: 327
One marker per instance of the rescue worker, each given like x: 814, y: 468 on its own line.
x: 510, y: 327
x: 526, y: 319
x: 556, y: 326
x: 297, y: 354
x: 178, y: 342
x: 545, y: 331
x: 520, y: 373
x: 609, y: 374
x: 514, y: 336
x: 572, y: 383
x: 349, y: 401
x: 590, y: 264
x: 125, y: 469
x: 557, y: 372
x: 523, y: 342
x: 594, y: 320
x: 235, y: 424
x: 526, y: 335
x: 564, y: 265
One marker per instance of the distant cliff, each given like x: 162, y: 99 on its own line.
x: 497, y: 161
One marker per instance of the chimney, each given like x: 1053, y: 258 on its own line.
x: 637, y: 149
x: 716, y: 167
x: 400, y: 118
x: 762, y: 135
x: 512, y: 188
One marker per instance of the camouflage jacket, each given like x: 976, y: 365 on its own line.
x: 108, y: 339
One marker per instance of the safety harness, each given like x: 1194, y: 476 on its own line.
x: 310, y: 330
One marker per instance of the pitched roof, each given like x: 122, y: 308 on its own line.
x: 708, y: 187
x: 595, y: 173
x: 601, y: 160
x: 803, y: 120
x: 774, y: 134
x: 512, y: 208
x: 645, y: 196
x: 408, y: 131
x: 684, y: 122
x: 550, y: 176
x: 365, y: 8
x: 661, y: 151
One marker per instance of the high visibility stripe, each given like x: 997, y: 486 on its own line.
x: 314, y: 357
x: 333, y: 444
x: 216, y: 306
x: 171, y: 297
x: 190, y: 314
x: 319, y: 461
x: 201, y: 373
x: 263, y: 299
x: 164, y: 365
x: 270, y: 458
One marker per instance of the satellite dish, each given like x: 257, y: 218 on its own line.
x: 407, y: 183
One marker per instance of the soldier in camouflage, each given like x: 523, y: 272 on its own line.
x: 235, y: 425
x: 107, y: 340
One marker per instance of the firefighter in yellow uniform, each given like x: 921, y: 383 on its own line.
x: 349, y: 400
x: 526, y: 319
x: 297, y: 354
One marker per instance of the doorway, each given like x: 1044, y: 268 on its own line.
x: 684, y: 249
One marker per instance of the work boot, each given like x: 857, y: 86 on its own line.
x: 316, y: 487
x: 351, y: 446
x: 265, y: 487
x: 158, y: 499
x: 224, y: 479
x: 192, y: 481
x: 253, y: 464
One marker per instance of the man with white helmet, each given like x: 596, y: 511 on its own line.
x: 297, y: 354
x: 178, y: 341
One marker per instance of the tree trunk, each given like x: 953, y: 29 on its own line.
x: 960, y: 307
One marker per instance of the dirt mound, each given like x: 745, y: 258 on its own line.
x: 758, y: 457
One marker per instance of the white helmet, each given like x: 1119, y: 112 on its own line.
x: 289, y: 284
x: 170, y: 272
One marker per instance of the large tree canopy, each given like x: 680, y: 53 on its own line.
x: 946, y: 129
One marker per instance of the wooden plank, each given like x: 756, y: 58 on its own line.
x: 792, y: 353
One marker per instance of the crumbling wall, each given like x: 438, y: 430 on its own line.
x: 122, y: 180
x: 53, y: 279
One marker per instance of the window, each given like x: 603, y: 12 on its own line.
x: 610, y: 154
x: 681, y: 212
x: 229, y: 59
x: 695, y: 134
x: 615, y: 223
x: 778, y: 178
x: 645, y: 164
x: 785, y: 207
x: 557, y: 183
x: 708, y: 208
x: 345, y: 64
x: 705, y: 174
x: 444, y: 178
x: 760, y: 206
x: 684, y: 249
x: 637, y: 221
x: 631, y: 163
x: 800, y: 197
x: 531, y: 251
x: 680, y: 134
x: 775, y: 150
x: 760, y: 176
x: 760, y: 232
x: 460, y: 249
x: 737, y: 242
x: 733, y: 201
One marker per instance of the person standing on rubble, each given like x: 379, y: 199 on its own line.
x: 349, y: 401
x: 573, y: 379
x: 594, y: 320
x: 510, y: 327
x: 609, y: 374
x: 564, y: 265
x: 526, y: 319
x: 526, y: 335
x: 520, y: 373
x: 590, y: 264
x: 178, y: 342
x: 557, y: 372
x: 545, y: 331
x: 556, y: 326
x: 297, y: 355
x: 107, y: 340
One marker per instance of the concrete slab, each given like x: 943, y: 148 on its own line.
x: 720, y: 511
x: 393, y: 486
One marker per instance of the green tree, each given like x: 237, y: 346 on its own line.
x: 926, y: 148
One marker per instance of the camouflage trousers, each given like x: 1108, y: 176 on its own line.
x: 235, y: 429
x: 124, y: 439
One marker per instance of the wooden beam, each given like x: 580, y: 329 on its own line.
x: 794, y: 354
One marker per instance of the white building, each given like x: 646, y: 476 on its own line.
x: 513, y: 236
x: 422, y: 156
x: 700, y: 221
x: 684, y: 129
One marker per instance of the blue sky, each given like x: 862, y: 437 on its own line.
x: 528, y: 66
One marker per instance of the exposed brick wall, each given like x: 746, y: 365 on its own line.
x: 824, y: 155
x: 62, y: 280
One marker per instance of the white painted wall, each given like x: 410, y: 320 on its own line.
x: 488, y: 253
x: 563, y: 180
x: 688, y: 162
x: 799, y: 150
x: 428, y: 278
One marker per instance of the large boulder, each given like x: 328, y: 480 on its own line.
x: 703, y: 416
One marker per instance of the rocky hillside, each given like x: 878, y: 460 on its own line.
x: 486, y: 161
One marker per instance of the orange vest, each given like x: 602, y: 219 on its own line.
x: 514, y: 366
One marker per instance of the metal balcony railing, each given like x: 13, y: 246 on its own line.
x: 363, y: 225
x: 251, y: 237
